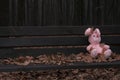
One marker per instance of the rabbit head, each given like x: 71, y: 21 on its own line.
x: 94, y: 35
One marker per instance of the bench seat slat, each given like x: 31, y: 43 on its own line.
x: 10, y: 52
x: 54, y: 30
x: 77, y: 65
x: 54, y: 41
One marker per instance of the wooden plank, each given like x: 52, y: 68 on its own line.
x: 4, y: 13
x: 115, y: 49
x: 40, y: 13
x: 53, y: 12
x: 54, y: 41
x: 10, y: 12
x: 112, y: 40
x: 10, y: 52
x: 78, y: 65
x: 54, y: 30
x: 42, y: 41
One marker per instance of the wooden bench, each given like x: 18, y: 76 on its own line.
x: 18, y: 41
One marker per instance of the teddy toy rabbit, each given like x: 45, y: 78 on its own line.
x: 96, y: 48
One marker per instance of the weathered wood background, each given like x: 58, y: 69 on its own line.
x: 34, y: 27
x: 59, y: 12
x: 40, y: 23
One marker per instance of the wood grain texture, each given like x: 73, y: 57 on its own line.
x: 39, y: 23
x: 54, y: 41
x: 12, y: 52
x: 55, y: 30
x: 78, y: 65
x: 62, y: 12
x: 59, y: 12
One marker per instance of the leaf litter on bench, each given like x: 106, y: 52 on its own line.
x: 58, y: 59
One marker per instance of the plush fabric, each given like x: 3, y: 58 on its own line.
x: 96, y: 48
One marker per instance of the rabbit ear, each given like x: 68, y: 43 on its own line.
x: 97, y: 31
x: 88, y: 31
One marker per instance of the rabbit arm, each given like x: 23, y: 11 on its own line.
x: 106, y: 46
x: 89, y: 47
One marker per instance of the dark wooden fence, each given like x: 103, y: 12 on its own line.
x: 59, y: 12
x: 34, y: 27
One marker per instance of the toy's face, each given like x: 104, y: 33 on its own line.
x: 94, y: 38
x: 94, y: 35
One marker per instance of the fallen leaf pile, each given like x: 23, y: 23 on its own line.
x: 58, y: 59
x: 70, y: 74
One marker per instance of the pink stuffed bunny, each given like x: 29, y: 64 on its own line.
x: 95, y: 46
